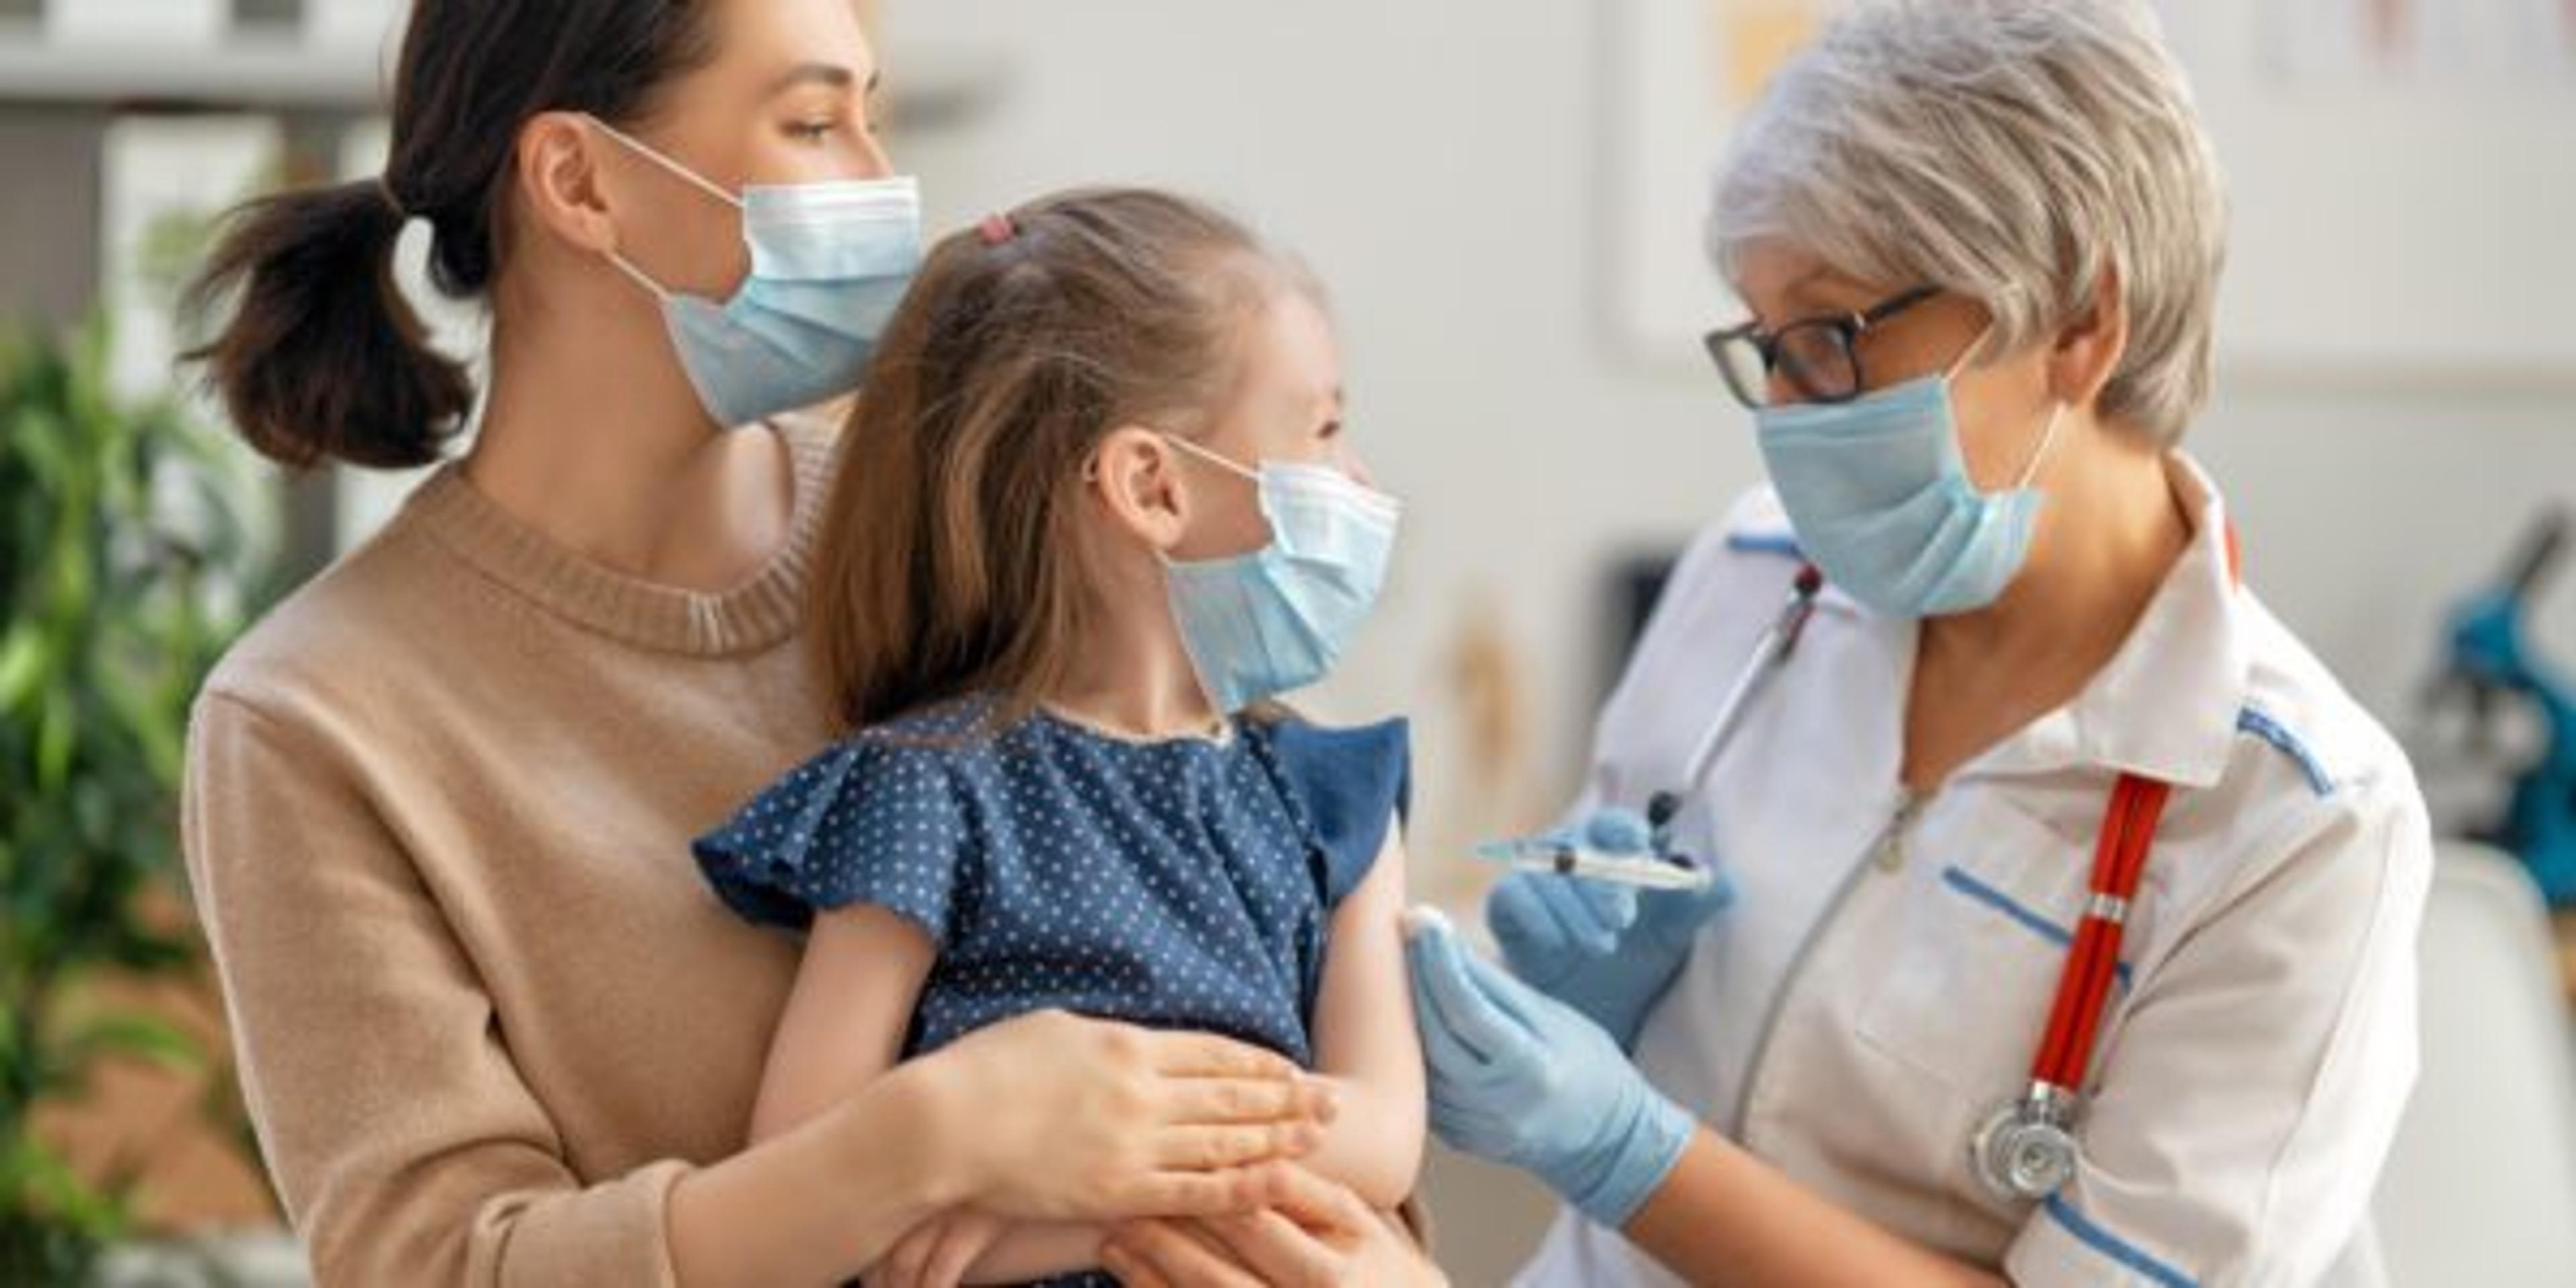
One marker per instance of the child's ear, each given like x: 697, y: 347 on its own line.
x: 1137, y: 477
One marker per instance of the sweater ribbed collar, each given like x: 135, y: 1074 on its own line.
x: 762, y: 611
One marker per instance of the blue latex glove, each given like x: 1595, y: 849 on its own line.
x: 1607, y: 950
x: 1524, y: 1080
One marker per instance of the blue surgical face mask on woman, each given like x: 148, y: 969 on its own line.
x: 1881, y: 500
x: 829, y: 262
x: 1261, y: 624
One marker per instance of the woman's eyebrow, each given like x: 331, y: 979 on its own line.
x: 831, y: 74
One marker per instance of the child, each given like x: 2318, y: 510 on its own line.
x: 1095, y: 511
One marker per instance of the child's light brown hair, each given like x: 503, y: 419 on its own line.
x: 950, y: 563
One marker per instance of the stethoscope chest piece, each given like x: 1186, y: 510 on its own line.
x: 2025, y: 1151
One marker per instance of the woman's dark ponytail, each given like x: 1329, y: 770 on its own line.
x: 321, y: 358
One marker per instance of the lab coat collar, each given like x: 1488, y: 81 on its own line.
x: 2165, y: 707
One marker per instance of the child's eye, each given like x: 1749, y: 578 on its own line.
x: 812, y: 131
x: 1331, y: 429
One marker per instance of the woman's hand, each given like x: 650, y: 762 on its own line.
x: 1051, y: 1117
x: 1525, y: 1080
x: 1314, y: 1233
x: 1606, y: 950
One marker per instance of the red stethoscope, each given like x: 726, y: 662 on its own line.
x: 2025, y: 1150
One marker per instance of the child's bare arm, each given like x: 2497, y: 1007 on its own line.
x: 1365, y: 1042
x: 845, y: 1018
x: 843, y: 1028
x: 1365, y: 1046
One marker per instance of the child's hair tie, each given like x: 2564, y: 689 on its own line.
x: 996, y: 229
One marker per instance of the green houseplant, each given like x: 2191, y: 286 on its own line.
x: 124, y: 536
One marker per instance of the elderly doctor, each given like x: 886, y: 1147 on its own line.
x: 2034, y: 712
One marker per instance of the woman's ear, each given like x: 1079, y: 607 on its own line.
x: 1136, y: 477
x: 561, y: 183
x: 2089, y: 349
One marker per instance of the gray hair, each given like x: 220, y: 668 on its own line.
x: 2012, y: 151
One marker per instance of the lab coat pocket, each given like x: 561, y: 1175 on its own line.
x: 1992, y: 897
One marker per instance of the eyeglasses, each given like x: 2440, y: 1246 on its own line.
x: 1819, y: 357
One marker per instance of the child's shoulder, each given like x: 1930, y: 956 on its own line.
x: 1383, y: 743
x: 1350, y: 785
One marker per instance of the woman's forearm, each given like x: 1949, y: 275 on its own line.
x: 1726, y: 1217
x: 820, y: 1202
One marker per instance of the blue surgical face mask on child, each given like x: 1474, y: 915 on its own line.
x: 1261, y: 624
x: 1881, y: 500
x: 829, y: 262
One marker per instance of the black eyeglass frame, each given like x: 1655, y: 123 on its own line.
x: 1846, y: 328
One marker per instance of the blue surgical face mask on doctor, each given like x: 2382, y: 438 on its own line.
x: 1261, y: 624
x: 829, y: 262
x: 1881, y: 500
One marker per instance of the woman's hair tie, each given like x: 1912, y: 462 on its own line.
x: 996, y: 229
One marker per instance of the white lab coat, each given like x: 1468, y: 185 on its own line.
x: 1882, y: 981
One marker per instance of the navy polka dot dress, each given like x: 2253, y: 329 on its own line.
x: 1182, y: 884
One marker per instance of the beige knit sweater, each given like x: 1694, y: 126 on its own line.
x: 437, y: 818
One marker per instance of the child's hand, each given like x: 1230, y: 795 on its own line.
x: 938, y: 1252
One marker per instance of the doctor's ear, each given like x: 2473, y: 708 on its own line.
x: 2089, y: 348
x: 1136, y: 477
x: 561, y: 185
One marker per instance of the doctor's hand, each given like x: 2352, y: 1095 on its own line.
x: 1607, y: 950
x: 1524, y: 1080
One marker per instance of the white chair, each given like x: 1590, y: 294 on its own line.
x: 2481, y: 1183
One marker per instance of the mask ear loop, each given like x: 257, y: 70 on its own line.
x: 1221, y: 462
x: 1968, y: 356
x: 1213, y: 458
x: 1091, y: 464
x: 683, y: 173
x: 649, y: 153
x: 637, y: 275
x: 2056, y: 417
